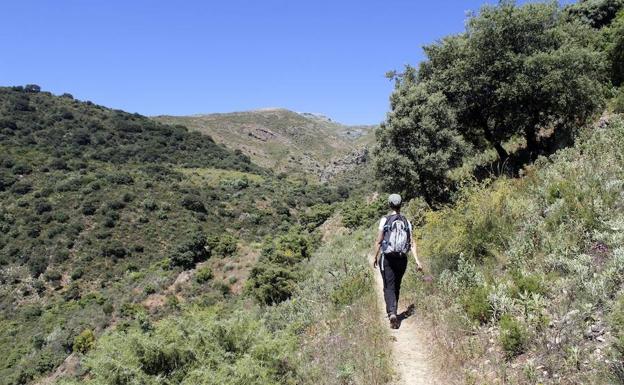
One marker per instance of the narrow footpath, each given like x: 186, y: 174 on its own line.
x: 410, y: 345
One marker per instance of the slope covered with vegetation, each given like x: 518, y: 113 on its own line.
x: 109, y: 219
x: 499, y: 132
x: 280, y: 139
x: 125, y: 241
x: 529, y: 273
x: 315, y: 337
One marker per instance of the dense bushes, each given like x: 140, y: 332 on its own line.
x: 67, y: 127
x: 273, y: 278
x: 193, y: 203
x: 84, y: 341
x: 240, y: 350
x: 223, y: 245
x: 356, y: 213
x: 316, y: 215
x: 190, y: 250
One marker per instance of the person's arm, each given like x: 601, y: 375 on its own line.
x: 415, y: 254
x: 377, y: 247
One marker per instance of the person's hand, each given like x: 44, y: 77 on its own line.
x: 375, y: 263
x: 419, y: 267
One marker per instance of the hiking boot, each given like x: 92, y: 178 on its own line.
x: 394, y: 321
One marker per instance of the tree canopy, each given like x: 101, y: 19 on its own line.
x: 516, y: 72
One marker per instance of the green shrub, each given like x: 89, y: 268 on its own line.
x: 616, y: 321
x: 240, y: 350
x: 190, y: 251
x: 513, y: 336
x: 108, y: 308
x: 52, y: 275
x: 316, y: 215
x: 72, y: 293
x: 477, y: 305
x: 120, y: 178
x: 6, y: 180
x: 527, y: 284
x: 77, y: 273
x: 149, y: 289
x: 270, y: 283
x: 21, y: 188
x: 351, y: 288
x: 618, y: 102
x: 222, y: 246
x: 22, y: 169
x: 42, y: 207
x: 150, y: 205
x: 358, y: 213
x: 116, y: 205
x: 114, y: 249
x: 84, y: 341
x: 60, y: 256
x: 89, y: 208
x: 37, y: 266
x: 193, y: 203
x: 130, y: 310
x: 203, y: 275
x: 32, y: 312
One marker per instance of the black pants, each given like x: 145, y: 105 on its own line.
x: 392, y: 269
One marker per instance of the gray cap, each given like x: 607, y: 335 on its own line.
x: 394, y: 200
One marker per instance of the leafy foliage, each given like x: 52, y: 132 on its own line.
x: 597, y: 13
x: 66, y: 127
x: 476, y: 304
x: 357, y: 213
x: 190, y: 251
x: 517, y: 71
x: 84, y: 341
x: 513, y: 337
x: 419, y: 142
x: 273, y: 279
x: 240, y: 350
x: 615, y: 49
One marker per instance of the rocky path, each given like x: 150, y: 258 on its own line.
x: 410, y: 346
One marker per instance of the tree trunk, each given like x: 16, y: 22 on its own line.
x: 532, y: 147
x: 502, y: 153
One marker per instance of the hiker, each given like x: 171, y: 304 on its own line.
x: 394, y: 241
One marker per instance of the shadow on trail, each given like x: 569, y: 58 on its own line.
x: 406, y: 314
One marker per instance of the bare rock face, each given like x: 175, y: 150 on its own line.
x: 344, y: 164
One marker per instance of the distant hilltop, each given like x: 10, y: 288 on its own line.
x: 282, y: 139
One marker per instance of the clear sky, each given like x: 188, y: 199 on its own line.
x: 190, y: 57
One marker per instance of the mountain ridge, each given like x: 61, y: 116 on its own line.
x: 281, y: 139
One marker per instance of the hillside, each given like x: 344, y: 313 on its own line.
x: 284, y: 140
x: 528, y: 273
x: 135, y: 250
x: 110, y: 219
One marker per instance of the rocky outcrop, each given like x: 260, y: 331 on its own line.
x: 344, y: 164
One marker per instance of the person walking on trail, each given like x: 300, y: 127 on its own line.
x: 394, y: 242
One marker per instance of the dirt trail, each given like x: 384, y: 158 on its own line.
x: 411, y: 348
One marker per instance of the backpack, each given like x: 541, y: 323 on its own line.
x: 396, y: 236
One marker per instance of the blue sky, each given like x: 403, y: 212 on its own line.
x: 189, y: 57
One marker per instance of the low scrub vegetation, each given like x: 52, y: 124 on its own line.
x: 533, y: 267
x: 101, y: 211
